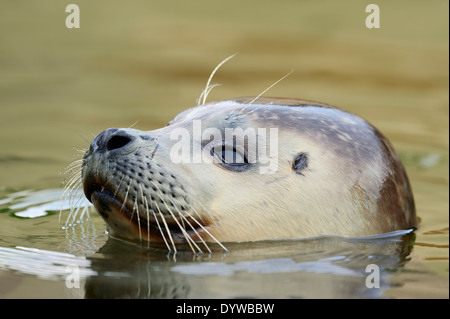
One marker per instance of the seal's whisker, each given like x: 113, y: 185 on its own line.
x: 120, y: 184
x: 126, y: 197
x: 183, y: 230
x: 97, y: 168
x: 72, y: 218
x: 167, y: 229
x: 161, y: 230
x: 202, y: 99
x: 189, y: 240
x: 69, y: 190
x: 74, y: 184
x: 74, y: 197
x: 107, y: 180
x: 72, y: 172
x: 204, y: 228
x: 201, y: 218
x: 71, y: 180
x: 196, y: 232
x: 164, y: 219
x: 145, y: 202
x: 267, y: 89
x: 193, y: 199
x: 75, y: 177
x: 212, y: 86
x: 81, y: 151
x: 88, y: 142
x: 137, y: 121
x: 75, y: 166
x: 72, y: 192
x: 77, y: 161
x: 148, y: 221
x: 206, y: 92
x: 182, y: 221
x: 200, y: 203
x: 135, y: 207
x: 85, y: 211
x: 183, y: 218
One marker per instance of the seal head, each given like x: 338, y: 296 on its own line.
x: 232, y: 171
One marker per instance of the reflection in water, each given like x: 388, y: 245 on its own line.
x: 316, y: 268
x: 43, y: 264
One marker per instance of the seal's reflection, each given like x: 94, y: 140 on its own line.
x: 314, y: 268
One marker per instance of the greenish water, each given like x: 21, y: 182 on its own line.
x: 141, y: 63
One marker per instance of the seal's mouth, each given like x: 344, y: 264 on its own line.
x: 126, y: 221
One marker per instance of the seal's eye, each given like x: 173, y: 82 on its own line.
x: 230, y: 158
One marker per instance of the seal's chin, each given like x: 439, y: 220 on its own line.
x: 126, y: 222
x: 121, y: 221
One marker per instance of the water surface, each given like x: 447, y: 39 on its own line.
x: 140, y: 64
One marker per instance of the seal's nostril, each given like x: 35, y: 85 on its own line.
x: 117, y: 141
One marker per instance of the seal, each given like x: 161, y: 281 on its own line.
x: 248, y: 169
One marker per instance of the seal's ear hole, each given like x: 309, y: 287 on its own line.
x: 300, y: 163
